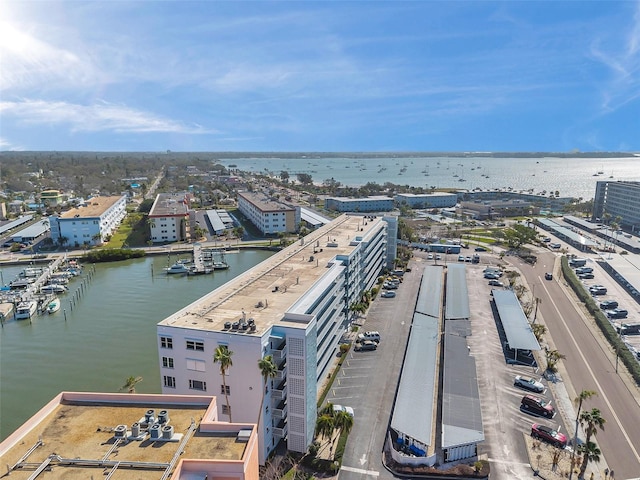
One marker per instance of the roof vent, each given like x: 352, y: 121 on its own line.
x: 120, y: 431
x: 163, y: 416
x: 252, y: 327
x: 243, y: 435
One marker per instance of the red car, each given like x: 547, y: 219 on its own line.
x: 549, y: 435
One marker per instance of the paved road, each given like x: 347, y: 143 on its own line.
x: 590, y: 366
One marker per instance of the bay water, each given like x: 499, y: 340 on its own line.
x: 108, y: 336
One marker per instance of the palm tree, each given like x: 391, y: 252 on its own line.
x: 590, y: 453
x: 325, y: 426
x: 582, y: 396
x: 223, y: 355
x: 343, y: 421
x: 130, y: 384
x: 553, y: 357
x: 268, y: 369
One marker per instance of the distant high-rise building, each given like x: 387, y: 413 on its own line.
x: 618, y: 199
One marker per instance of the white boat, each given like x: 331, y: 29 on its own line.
x: 177, y: 268
x: 220, y: 265
x: 54, y: 288
x: 26, y: 309
x: 54, y: 305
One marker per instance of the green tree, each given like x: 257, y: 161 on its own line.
x: 304, y: 178
x: 284, y: 176
x: 590, y: 453
x: 538, y: 331
x: 582, y: 396
x: 591, y: 421
x: 553, y: 357
x: 130, y: 384
x: 268, y: 369
x: 223, y: 355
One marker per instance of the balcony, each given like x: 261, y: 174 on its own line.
x: 281, y: 429
x: 279, y: 353
x: 280, y: 411
x: 281, y: 374
x: 280, y: 392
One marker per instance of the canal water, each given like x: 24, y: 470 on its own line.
x: 108, y: 336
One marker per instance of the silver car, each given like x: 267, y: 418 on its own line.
x: 528, y: 383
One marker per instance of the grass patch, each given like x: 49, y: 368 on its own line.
x: 132, y: 232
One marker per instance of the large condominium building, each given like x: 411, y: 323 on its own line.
x: 89, y: 224
x: 169, y: 218
x: 376, y: 203
x: 294, y: 306
x: 428, y: 200
x: 267, y: 214
x: 621, y: 199
x: 123, y: 436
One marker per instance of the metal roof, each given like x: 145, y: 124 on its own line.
x: 413, y: 414
x: 461, y: 414
x: 626, y: 266
x: 457, y: 301
x: 15, y: 223
x: 312, y: 218
x: 32, y: 231
x: 566, y: 232
x: 430, y: 294
x: 217, y: 225
x: 516, y: 326
x: 582, y: 223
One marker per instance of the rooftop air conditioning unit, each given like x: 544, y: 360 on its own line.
x: 120, y: 431
x: 227, y: 325
x: 150, y: 416
x: 252, y: 327
x: 167, y: 432
x: 135, y: 430
x: 155, y: 431
x: 163, y: 416
x: 235, y: 325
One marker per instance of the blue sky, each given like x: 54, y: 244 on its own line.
x: 320, y: 76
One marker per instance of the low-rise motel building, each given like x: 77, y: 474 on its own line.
x: 268, y: 214
x: 90, y: 223
x: 169, y: 217
x: 122, y: 436
x: 294, y: 306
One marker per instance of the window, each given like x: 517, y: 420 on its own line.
x: 166, y: 342
x: 169, y: 382
x: 195, y: 345
x: 197, y: 365
x: 222, y: 390
x: 197, y: 385
x: 225, y: 409
x: 167, y: 362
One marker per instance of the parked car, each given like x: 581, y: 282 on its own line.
x: 537, y: 406
x: 430, y: 256
x: 491, y: 276
x: 528, y: 383
x: 599, y: 290
x: 340, y: 408
x: 390, y: 286
x: 617, y: 313
x: 586, y: 276
x: 549, y: 435
x: 461, y: 258
x: 388, y: 294
x: 365, y: 346
x: 548, y: 276
x: 370, y: 335
x: 481, y: 249
x: 608, y: 305
x: 547, y: 240
x: 580, y: 270
x: 496, y: 283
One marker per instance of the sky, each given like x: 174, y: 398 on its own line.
x: 330, y: 76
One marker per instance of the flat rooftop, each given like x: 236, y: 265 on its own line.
x: 265, y: 203
x: 79, y: 430
x: 167, y: 204
x: 268, y: 290
x: 94, y: 208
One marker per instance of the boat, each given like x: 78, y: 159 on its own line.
x: 54, y: 305
x: 54, y: 288
x: 26, y: 309
x: 177, y: 268
x: 220, y: 265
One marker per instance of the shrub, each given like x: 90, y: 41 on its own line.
x: 111, y: 255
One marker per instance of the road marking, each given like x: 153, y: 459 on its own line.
x: 601, y: 392
x: 360, y: 470
x: 506, y: 462
x: 363, y: 459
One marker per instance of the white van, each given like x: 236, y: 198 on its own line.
x: 372, y: 335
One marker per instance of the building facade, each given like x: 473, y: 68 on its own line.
x: 268, y: 215
x: 51, y: 198
x: 376, y: 203
x: 89, y: 224
x: 169, y: 218
x: 294, y: 306
x: 621, y: 199
x: 427, y: 200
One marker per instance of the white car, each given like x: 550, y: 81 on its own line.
x: 528, y: 383
x: 340, y: 408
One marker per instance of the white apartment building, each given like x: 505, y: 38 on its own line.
x: 374, y: 203
x: 169, y: 217
x: 91, y: 223
x: 428, y: 200
x: 293, y: 306
x: 267, y: 214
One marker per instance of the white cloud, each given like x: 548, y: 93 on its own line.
x: 96, y: 117
x: 7, y: 145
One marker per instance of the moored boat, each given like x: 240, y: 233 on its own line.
x: 53, y: 288
x: 54, y: 305
x: 26, y: 309
x: 177, y: 268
